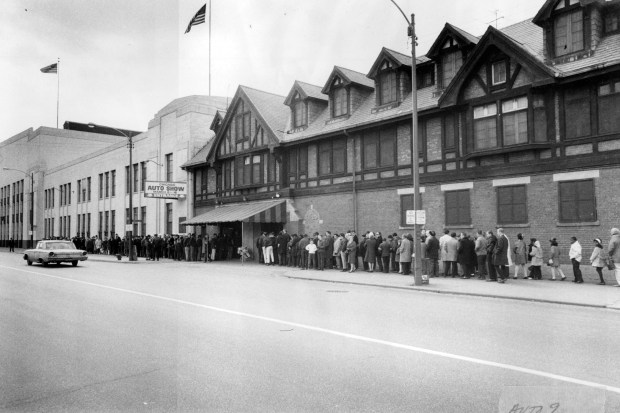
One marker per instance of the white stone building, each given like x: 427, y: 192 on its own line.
x: 81, y: 176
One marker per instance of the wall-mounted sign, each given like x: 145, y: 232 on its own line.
x: 172, y: 190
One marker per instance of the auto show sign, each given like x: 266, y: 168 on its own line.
x: 172, y: 190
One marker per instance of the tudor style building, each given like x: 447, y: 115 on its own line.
x: 518, y: 128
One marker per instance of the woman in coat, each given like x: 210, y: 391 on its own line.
x: 554, y: 260
x: 370, y: 255
x: 450, y: 253
x: 537, y: 260
x: 352, y: 252
x: 598, y: 258
x: 405, y: 254
x: 520, y: 251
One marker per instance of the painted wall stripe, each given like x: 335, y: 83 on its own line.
x: 574, y: 176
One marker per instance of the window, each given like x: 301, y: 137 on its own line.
x: 339, y: 99
x: 387, y: 147
x: 79, y: 191
x: 387, y: 84
x: 370, y: 150
x: 249, y: 170
x: 458, y: 208
x: 106, y: 223
x: 449, y: 132
x: 568, y: 33
x: 242, y: 123
x: 332, y: 157
x: 303, y: 160
x: 89, y: 186
x: 143, y: 220
x: 227, y: 174
x: 136, y: 177
x: 577, y: 201
x: 127, y: 180
x: 292, y: 161
x: 142, y: 176
x: 514, y: 120
x: 577, y: 112
x: 485, y: 126
x: 169, y: 174
x: 300, y: 111
x: 257, y: 169
x: 498, y: 72
x: 107, y: 184
x: 612, y: 23
x: 451, y: 62
x: 169, y: 219
x: 100, y: 186
x: 113, y: 174
x: 512, y: 204
x: 112, y: 224
x: 609, y: 107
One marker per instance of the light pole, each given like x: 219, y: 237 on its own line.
x: 31, y: 202
x: 132, y: 257
x: 417, y: 277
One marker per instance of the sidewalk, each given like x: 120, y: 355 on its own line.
x: 588, y: 294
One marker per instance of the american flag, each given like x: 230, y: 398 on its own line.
x: 199, y: 18
x: 53, y: 68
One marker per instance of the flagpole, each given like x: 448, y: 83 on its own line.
x: 210, y: 1
x: 58, y: 92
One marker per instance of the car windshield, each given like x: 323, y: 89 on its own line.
x: 66, y: 245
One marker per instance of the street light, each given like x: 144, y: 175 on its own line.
x: 132, y: 257
x: 31, y: 202
x: 417, y: 277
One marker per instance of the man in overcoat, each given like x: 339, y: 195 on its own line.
x: 500, y: 256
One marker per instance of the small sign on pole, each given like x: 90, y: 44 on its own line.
x: 416, y: 217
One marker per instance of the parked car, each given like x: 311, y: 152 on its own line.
x: 55, y: 251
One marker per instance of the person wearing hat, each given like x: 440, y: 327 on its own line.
x: 575, y: 258
x: 537, y: 260
x: 597, y: 259
x: 554, y: 260
x: 614, y: 252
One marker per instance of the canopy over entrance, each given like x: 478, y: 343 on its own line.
x: 263, y: 211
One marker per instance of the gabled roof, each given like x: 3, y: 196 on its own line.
x: 462, y: 37
x: 364, y: 116
x: 547, y: 9
x: 508, y: 45
x: 201, y: 156
x: 306, y: 91
x: 396, y: 59
x: 219, y: 117
x: 348, y: 77
x: 266, y: 107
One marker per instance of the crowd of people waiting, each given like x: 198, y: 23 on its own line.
x: 190, y: 247
x: 486, y: 255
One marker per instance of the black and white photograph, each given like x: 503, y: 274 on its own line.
x: 310, y: 206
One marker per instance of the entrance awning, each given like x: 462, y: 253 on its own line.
x: 263, y: 211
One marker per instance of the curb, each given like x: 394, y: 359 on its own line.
x: 459, y: 293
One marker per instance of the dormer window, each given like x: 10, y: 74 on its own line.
x: 339, y: 99
x: 387, y: 84
x: 300, y: 111
x: 498, y: 73
x: 612, y: 23
x: 568, y: 33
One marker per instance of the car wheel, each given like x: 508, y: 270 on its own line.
x: 29, y: 262
x: 74, y: 263
x: 45, y: 263
x: 58, y: 263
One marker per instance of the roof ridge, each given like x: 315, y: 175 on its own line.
x: 260, y: 91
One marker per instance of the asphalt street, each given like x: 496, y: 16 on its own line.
x: 191, y: 337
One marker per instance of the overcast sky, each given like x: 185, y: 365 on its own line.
x: 123, y: 60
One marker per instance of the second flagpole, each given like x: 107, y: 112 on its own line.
x: 58, y: 91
